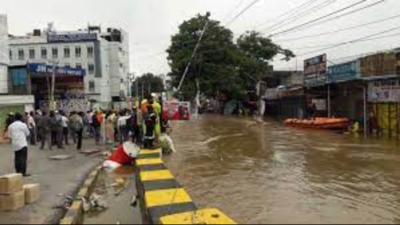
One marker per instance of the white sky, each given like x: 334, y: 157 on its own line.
x: 150, y: 23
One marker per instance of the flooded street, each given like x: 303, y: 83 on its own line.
x: 266, y: 173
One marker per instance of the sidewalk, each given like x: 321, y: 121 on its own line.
x: 56, y: 178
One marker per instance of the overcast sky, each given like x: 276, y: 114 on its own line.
x: 150, y: 23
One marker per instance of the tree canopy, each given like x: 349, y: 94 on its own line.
x: 148, y: 83
x: 222, y: 65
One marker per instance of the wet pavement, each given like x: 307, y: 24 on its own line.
x: 267, y: 173
x: 58, y: 179
x: 117, y: 189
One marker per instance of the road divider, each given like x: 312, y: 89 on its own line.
x: 162, y: 198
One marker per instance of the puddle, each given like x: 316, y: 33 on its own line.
x: 116, y: 189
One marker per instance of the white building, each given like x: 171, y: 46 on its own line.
x: 104, y: 56
x: 3, y: 55
x: 9, y: 103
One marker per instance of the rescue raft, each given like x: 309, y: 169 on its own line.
x: 319, y: 123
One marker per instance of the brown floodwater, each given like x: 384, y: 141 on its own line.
x: 267, y: 173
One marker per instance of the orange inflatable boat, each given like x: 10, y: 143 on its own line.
x: 319, y: 123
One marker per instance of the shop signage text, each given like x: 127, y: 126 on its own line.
x: 315, y: 70
x: 47, y: 69
x: 71, y: 37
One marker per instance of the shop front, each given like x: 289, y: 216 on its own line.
x: 384, y: 98
x: 69, y: 90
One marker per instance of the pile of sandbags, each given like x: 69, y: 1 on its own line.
x: 15, y: 195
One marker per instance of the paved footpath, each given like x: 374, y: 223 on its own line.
x: 57, y: 178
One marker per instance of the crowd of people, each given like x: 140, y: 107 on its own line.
x: 142, y: 125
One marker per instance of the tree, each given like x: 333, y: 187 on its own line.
x: 220, y: 65
x: 148, y: 83
x: 256, y: 54
x: 213, y: 65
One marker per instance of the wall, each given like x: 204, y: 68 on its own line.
x: 3, y: 55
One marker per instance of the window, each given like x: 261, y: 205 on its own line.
x: 78, y: 66
x: 55, y: 53
x: 67, y: 52
x: 11, y: 55
x: 78, y: 52
x: 398, y: 70
x: 21, y: 54
x: 32, y: 54
x: 90, y: 51
x: 67, y: 65
x: 92, y: 86
x: 398, y: 56
x: 91, y: 69
x: 44, y: 53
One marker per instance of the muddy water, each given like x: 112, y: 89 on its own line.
x: 266, y: 173
x: 116, y: 189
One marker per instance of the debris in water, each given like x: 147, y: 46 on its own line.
x: 134, y: 201
x: 60, y: 157
x: 90, y: 152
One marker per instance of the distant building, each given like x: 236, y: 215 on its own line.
x: 104, y: 56
x: 9, y: 103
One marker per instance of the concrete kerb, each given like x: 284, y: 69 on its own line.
x: 83, y: 189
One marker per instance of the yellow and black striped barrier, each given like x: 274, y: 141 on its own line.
x: 163, y: 200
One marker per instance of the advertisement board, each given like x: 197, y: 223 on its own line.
x: 384, y: 91
x: 71, y: 37
x: 40, y: 69
x: 381, y: 64
x: 344, y: 72
x: 315, y: 70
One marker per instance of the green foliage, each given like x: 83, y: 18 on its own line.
x: 149, y: 83
x: 220, y: 65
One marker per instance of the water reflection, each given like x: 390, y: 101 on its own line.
x: 266, y: 173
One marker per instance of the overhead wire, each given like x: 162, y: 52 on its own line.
x: 326, y: 18
x: 289, y: 13
x: 240, y: 2
x: 352, y: 41
x: 339, y: 30
x: 301, y: 15
x: 242, y: 12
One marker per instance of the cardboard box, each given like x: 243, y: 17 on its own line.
x: 32, y: 193
x: 10, y: 184
x: 12, y: 202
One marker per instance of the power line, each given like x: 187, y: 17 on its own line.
x: 240, y: 2
x: 339, y: 30
x: 312, y: 22
x: 299, y: 16
x: 290, y: 13
x: 365, y: 38
x: 242, y: 12
x: 343, y: 15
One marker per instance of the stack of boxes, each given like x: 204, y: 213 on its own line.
x: 14, y: 195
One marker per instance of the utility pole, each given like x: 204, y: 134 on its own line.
x: 52, y: 104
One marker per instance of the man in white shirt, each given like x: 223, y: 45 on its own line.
x: 65, y: 125
x: 32, y: 128
x: 18, y: 132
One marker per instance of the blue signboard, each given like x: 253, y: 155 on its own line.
x: 71, y: 37
x: 60, y: 71
x: 344, y: 72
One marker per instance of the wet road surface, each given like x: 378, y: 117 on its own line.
x: 117, y: 189
x: 266, y: 173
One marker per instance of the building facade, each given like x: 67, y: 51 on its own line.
x: 8, y: 102
x: 3, y: 55
x: 103, y: 55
